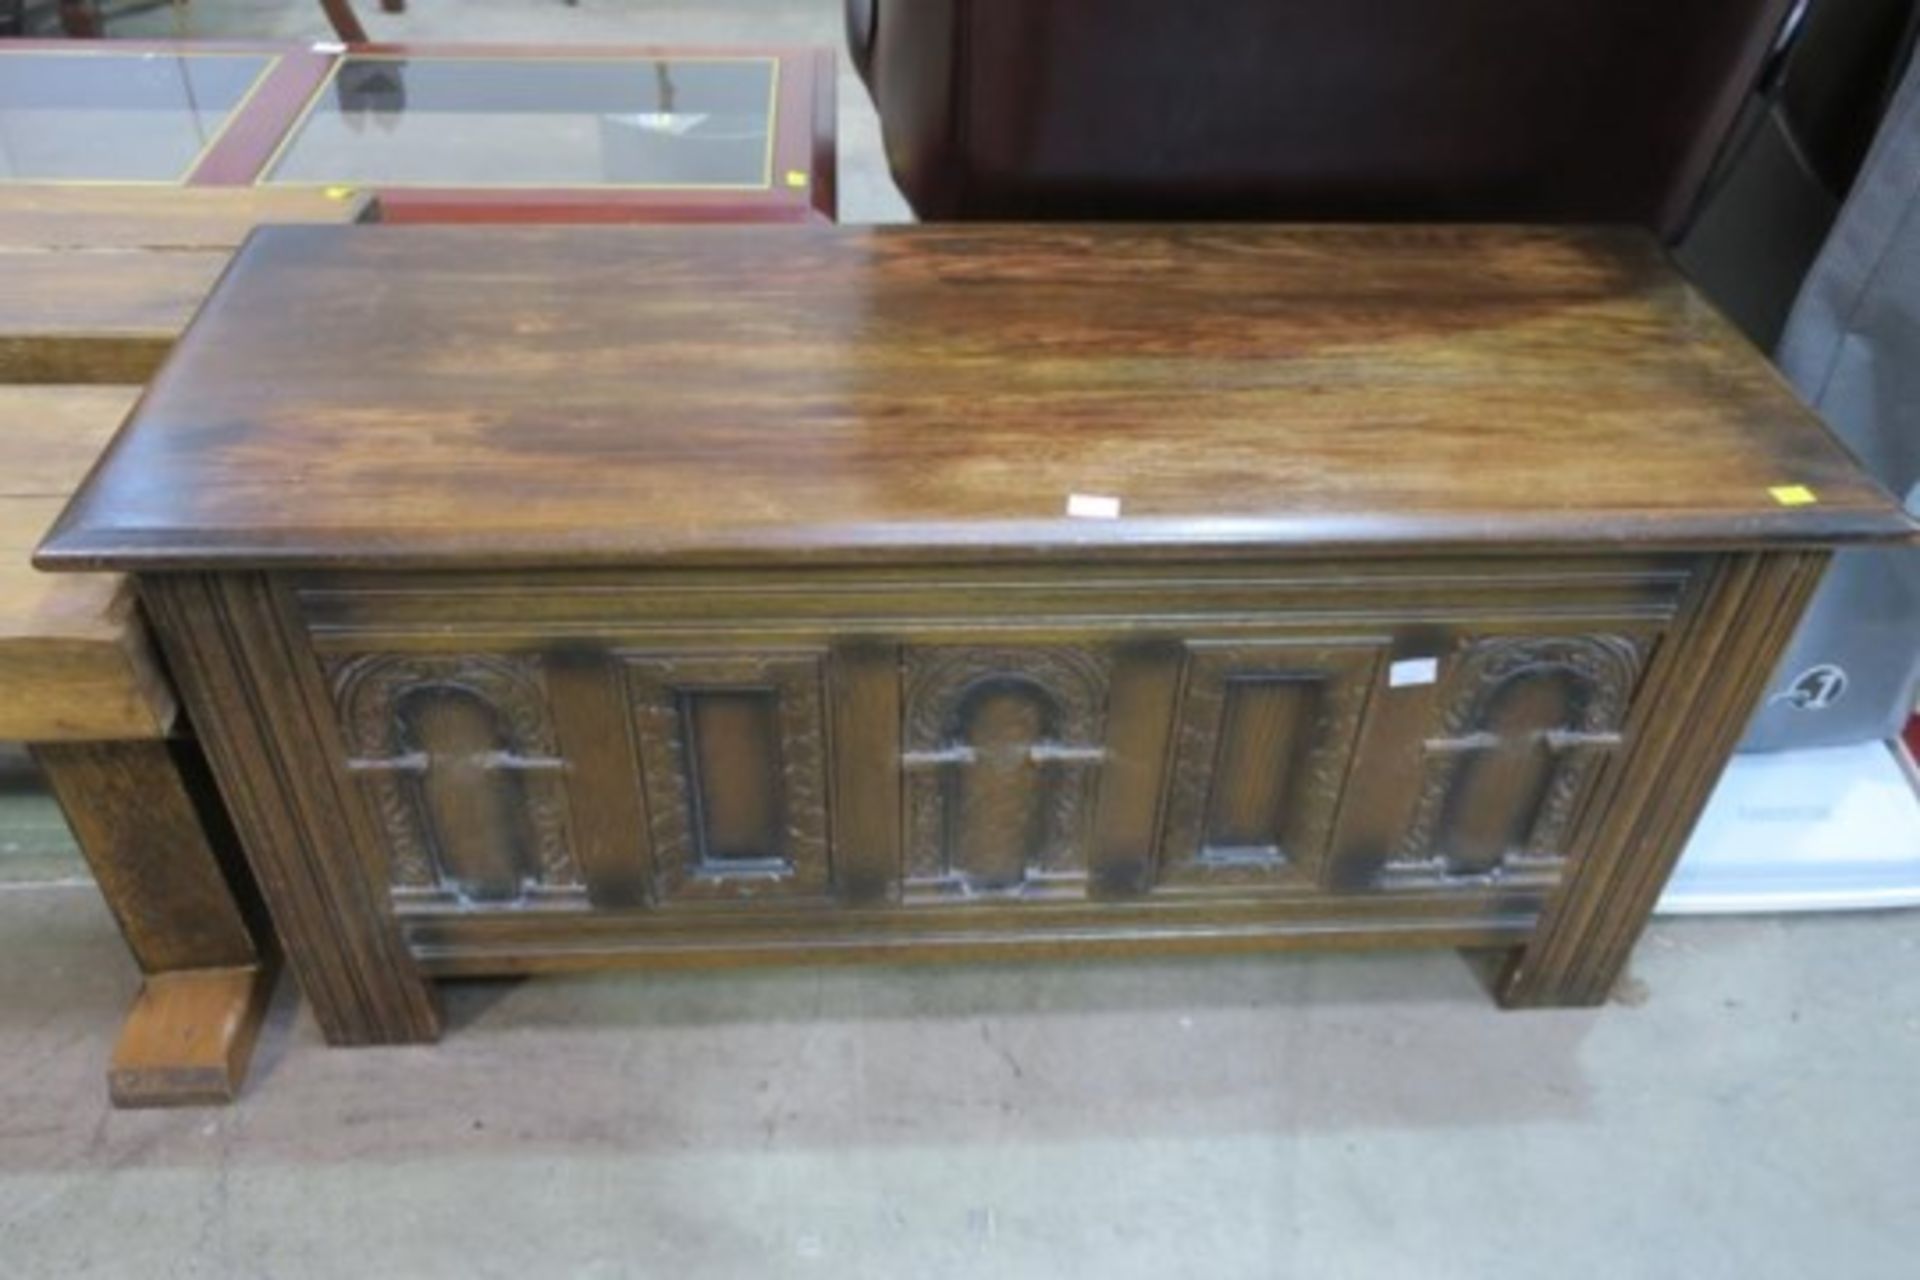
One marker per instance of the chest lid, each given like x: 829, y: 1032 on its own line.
x: 397, y: 397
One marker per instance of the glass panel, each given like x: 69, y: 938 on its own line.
x: 537, y: 122
x: 116, y: 117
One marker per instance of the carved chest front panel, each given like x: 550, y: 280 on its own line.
x: 612, y: 750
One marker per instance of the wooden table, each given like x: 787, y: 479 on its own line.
x: 700, y: 595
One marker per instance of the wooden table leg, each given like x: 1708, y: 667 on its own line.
x: 344, y: 21
x: 151, y: 826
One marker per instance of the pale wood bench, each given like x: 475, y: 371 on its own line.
x: 81, y: 685
x: 100, y: 281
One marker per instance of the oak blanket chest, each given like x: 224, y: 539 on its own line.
x: 554, y: 598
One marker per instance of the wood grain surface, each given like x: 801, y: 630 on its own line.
x: 101, y: 280
x: 75, y: 663
x: 408, y: 396
x: 189, y: 1037
x: 147, y: 818
x: 49, y: 217
x: 109, y: 316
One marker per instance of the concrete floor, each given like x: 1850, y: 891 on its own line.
x: 1749, y: 1111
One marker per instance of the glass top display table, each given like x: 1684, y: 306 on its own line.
x: 456, y: 133
x: 451, y: 133
x: 135, y: 117
x: 147, y: 113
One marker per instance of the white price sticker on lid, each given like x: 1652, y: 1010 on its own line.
x: 1093, y: 506
x: 1408, y: 672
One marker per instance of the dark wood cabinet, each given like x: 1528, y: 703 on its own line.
x: 734, y: 617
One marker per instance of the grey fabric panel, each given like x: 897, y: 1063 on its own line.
x: 1753, y: 244
x: 1852, y: 348
x: 1852, y: 343
x: 1850, y: 673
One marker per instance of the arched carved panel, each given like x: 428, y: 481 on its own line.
x: 1525, y: 721
x: 1002, y: 747
x: 458, y: 759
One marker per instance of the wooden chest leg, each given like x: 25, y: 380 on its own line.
x: 251, y: 696
x: 1703, y: 692
x: 147, y: 819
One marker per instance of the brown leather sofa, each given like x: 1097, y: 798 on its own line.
x: 1601, y: 110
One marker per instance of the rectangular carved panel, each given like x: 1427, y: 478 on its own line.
x: 736, y: 785
x: 1264, y: 737
x: 733, y: 761
x: 457, y: 756
x: 1265, y: 726
x: 1003, y: 746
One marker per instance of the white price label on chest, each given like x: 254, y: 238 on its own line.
x: 1093, y: 506
x: 1408, y: 672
